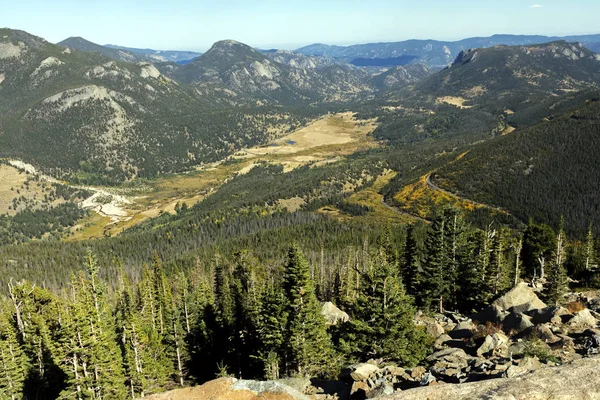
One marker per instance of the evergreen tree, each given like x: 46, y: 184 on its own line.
x: 475, y: 291
x: 14, y: 363
x: 538, y: 242
x: 271, y: 329
x: 382, y: 319
x: 435, y: 284
x: 590, y: 256
x: 414, y: 260
x: 309, y: 349
x: 95, y: 366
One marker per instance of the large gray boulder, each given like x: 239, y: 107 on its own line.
x: 583, y: 319
x: 521, y: 298
x: 359, y: 372
x: 333, y: 315
x: 516, y: 322
x: 578, y: 380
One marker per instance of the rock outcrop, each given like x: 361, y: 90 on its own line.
x: 578, y: 380
x: 233, y: 389
x: 333, y: 315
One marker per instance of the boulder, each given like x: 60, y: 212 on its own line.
x: 427, y: 379
x: 521, y: 298
x: 571, y: 381
x: 434, y: 330
x: 332, y: 314
x: 592, y: 345
x: 463, y: 330
x: 547, y: 314
x: 417, y: 373
x: 233, y: 389
x: 383, y: 390
x: 360, y: 372
x: 543, y: 333
x: 583, y: 319
x: 493, y: 313
x: 530, y: 363
x: 517, y: 349
x: 447, y: 353
x: 360, y: 388
x: 516, y: 322
x: 440, y: 342
x: 496, y: 343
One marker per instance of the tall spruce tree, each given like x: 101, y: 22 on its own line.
x: 309, y: 348
x: 382, y: 319
x: 414, y: 258
x: 14, y: 363
x: 271, y: 328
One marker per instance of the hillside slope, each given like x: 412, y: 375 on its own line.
x: 81, y: 44
x: 247, y: 73
x: 513, y: 81
x: 118, y: 120
x: 546, y: 171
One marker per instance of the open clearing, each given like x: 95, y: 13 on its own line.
x: 19, y: 191
x: 10, y: 178
x: 454, y: 101
x: 326, y: 140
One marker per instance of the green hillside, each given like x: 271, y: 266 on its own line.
x: 544, y: 172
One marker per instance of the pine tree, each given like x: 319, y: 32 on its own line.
x: 14, y: 363
x: 382, y: 319
x: 557, y: 283
x: 95, y: 366
x: 414, y: 260
x: 271, y: 329
x: 308, y: 344
x: 455, y: 236
x: 475, y: 291
x: 435, y: 285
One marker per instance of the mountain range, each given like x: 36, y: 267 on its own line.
x: 434, y: 53
x: 128, y: 54
x: 131, y: 118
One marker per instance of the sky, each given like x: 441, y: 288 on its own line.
x: 196, y: 24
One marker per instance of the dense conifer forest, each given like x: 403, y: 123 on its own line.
x: 128, y: 335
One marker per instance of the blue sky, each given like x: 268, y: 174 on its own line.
x: 195, y: 25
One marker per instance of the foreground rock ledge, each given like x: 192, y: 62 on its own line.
x: 578, y: 380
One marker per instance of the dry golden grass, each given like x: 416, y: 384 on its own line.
x: 13, y: 185
x: 454, y: 101
x: 323, y: 141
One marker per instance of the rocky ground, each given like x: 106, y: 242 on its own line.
x: 517, y: 348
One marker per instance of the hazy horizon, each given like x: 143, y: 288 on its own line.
x: 195, y: 26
